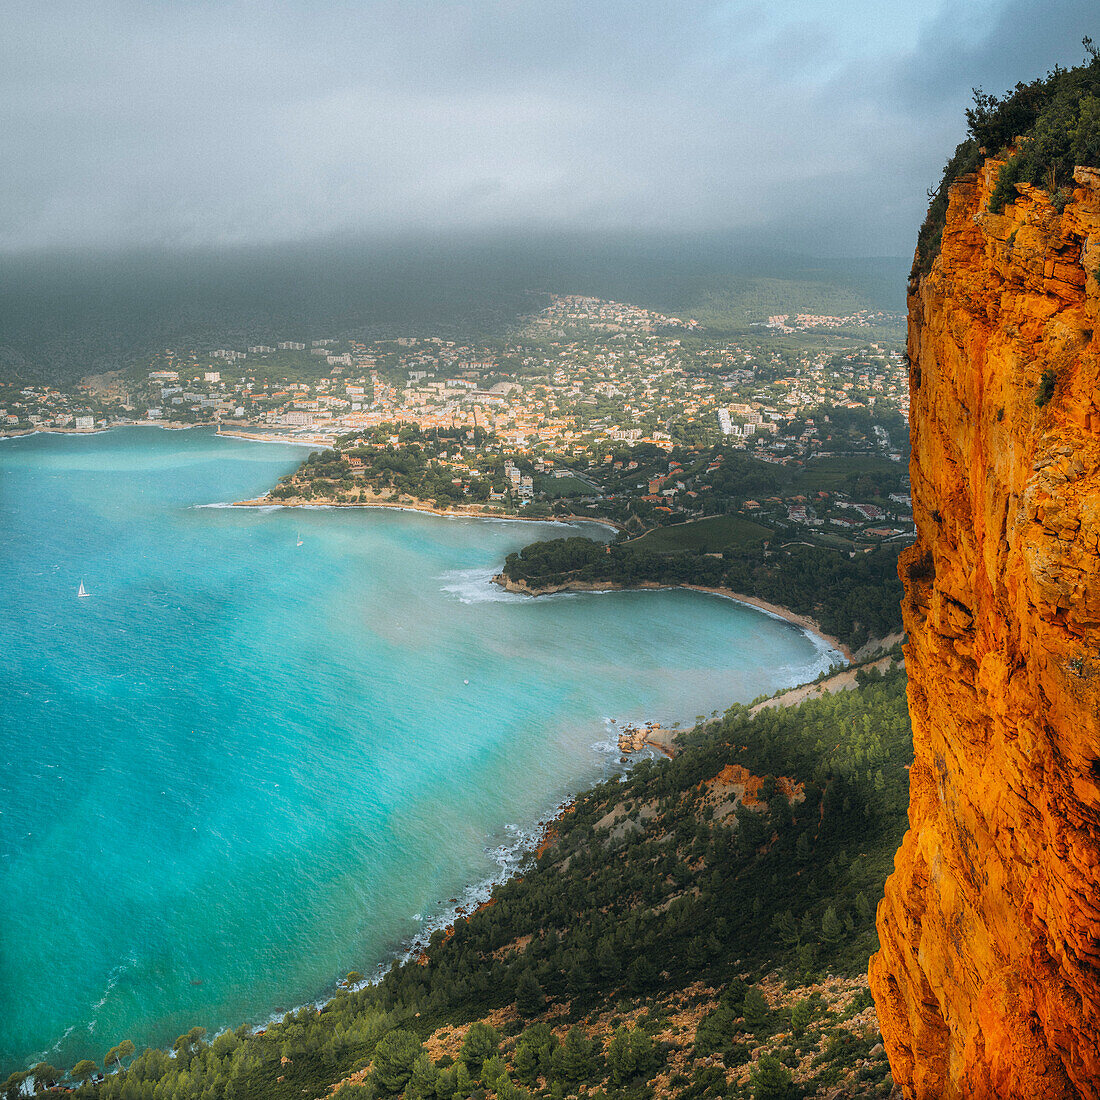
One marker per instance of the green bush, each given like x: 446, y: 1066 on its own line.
x: 1056, y: 118
x: 771, y: 1080
x: 1046, y: 387
x: 393, y: 1060
x: 481, y: 1042
x: 757, y: 1013
x: 577, y: 1060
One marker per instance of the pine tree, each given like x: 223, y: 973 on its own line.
x: 529, y: 996
x: 771, y: 1081
x: 481, y: 1042
x: 756, y: 1010
x: 575, y: 1060
x: 423, y: 1079
x: 393, y: 1060
x: 832, y: 927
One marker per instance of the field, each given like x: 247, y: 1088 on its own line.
x: 709, y: 535
x: 831, y: 473
x: 555, y: 487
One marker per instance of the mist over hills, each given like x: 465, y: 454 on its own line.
x: 67, y: 314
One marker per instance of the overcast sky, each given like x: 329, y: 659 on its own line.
x: 816, y: 123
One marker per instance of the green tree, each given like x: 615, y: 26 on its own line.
x: 714, y: 1030
x: 45, y: 1075
x: 225, y: 1043
x: 802, y: 1013
x: 756, y: 1011
x: 608, y: 965
x: 807, y: 955
x: 642, y: 975
x: 84, y: 1070
x: 576, y: 1060
x: 125, y: 1049
x: 13, y: 1086
x: 481, y: 1042
x: 492, y: 1070
x: 187, y: 1046
x: 352, y: 1090
x: 463, y: 1086
x: 771, y: 1080
x: 530, y: 1000
x: 533, y: 1054
x: 832, y: 927
x: 630, y: 1054
x: 423, y: 1079
x: 394, y: 1057
x: 507, y: 1091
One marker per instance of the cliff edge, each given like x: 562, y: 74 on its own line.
x: 987, y: 983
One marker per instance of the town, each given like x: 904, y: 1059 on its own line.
x: 585, y: 408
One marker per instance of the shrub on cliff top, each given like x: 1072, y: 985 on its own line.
x: 1056, y: 118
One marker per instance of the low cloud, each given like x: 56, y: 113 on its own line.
x: 817, y: 125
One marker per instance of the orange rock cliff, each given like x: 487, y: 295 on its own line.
x: 987, y: 983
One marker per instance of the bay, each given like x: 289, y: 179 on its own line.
x: 242, y: 767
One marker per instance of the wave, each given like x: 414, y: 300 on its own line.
x: 509, y: 858
x: 475, y: 586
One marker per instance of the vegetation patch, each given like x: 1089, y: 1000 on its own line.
x: 1046, y: 387
x: 853, y: 599
x: 1050, y: 126
x: 710, y: 535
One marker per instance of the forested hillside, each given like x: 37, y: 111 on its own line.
x: 852, y: 599
x: 699, y: 929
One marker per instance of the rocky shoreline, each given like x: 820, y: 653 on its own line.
x: 652, y: 735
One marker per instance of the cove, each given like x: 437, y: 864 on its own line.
x: 242, y: 767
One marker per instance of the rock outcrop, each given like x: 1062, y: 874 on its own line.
x: 987, y: 983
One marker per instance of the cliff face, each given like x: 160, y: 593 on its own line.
x: 988, y: 980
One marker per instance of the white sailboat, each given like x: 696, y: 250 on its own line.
x: 81, y: 591
x: 299, y: 543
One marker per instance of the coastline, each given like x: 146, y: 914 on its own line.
x: 534, y: 838
x: 803, y: 622
x: 532, y: 841
x: 324, y: 441
x: 172, y: 426
x: 168, y: 425
x: 413, y: 504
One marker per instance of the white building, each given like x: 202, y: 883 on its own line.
x: 296, y: 419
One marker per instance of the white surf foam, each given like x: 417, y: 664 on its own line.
x: 475, y: 586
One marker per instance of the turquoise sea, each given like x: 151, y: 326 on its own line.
x: 242, y: 767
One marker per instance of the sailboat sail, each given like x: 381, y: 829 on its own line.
x: 82, y: 591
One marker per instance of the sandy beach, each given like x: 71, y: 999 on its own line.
x: 412, y: 504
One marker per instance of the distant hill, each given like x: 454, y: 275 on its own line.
x: 63, y: 316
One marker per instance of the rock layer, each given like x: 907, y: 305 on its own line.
x: 987, y: 983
